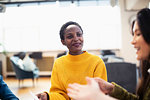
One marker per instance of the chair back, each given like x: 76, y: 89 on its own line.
x: 20, y: 73
x: 124, y: 74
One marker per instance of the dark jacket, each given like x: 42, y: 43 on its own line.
x: 5, y: 92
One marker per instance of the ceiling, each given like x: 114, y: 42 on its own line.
x: 4, y: 3
x: 36, y: 1
x: 129, y: 4
x: 27, y: 1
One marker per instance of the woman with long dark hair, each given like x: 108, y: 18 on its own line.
x: 141, y: 42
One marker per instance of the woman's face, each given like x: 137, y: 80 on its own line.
x: 73, y: 39
x: 142, y: 48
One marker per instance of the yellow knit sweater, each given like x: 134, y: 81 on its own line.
x: 73, y: 69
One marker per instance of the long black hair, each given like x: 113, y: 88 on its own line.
x: 143, y: 20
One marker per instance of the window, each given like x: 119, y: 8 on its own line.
x: 36, y: 28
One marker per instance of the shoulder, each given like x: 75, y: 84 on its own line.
x: 60, y: 59
x: 95, y: 57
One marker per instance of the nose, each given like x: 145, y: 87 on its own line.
x: 75, y: 38
x: 133, y: 41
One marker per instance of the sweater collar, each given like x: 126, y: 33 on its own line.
x: 80, y: 57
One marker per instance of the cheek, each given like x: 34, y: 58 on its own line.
x: 68, y: 43
x: 81, y: 39
x: 146, y: 51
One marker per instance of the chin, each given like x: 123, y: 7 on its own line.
x: 138, y: 58
x: 141, y: 58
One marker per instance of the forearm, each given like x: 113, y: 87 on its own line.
x: 120, y: 93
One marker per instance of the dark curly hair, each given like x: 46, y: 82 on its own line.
x: 61, y: 33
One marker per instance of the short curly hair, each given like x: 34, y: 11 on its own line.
x: 61, y: 33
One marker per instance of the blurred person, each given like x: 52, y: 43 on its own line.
x: 5, y: 92
x: 141, y: 42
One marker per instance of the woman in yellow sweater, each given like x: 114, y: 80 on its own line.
x: 73, y: 67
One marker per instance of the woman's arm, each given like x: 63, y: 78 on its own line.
x: 115, y: 90
x: 100, y: 70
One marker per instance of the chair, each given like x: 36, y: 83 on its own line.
x: 23, y: 74
x: 124, y: 74
x: 61, y: 54
x: 36, y: 55
x: 107, y: 52
x: 110, y: 56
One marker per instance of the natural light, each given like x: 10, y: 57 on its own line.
x: 36, y: 28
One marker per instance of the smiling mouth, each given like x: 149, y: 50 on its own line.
x: 137, y: 50
x: 76, y: 44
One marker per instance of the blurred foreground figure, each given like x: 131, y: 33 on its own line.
x: 5, y: 92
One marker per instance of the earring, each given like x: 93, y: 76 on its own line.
x: 148, y: 70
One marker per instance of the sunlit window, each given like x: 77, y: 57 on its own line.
x: 36, y: 28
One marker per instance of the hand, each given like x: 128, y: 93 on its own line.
x: 85, y: 92
x: 105, y: 86
x: 42, y: 96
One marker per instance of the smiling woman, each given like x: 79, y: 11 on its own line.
x: 72, y: 37
x: 35, y: 28
x: 139, y: 43
x: 74, y: 66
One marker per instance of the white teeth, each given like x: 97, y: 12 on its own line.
x: 137, y: 49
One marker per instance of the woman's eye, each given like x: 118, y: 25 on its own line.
x: 69, y: 37
x: 79, y: 34
x: 138, y: 34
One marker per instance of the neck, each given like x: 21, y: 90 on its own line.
x: 76, y: 53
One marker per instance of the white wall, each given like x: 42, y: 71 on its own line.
x: 127, y: 50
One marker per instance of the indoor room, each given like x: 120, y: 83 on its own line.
x: 30, y: 42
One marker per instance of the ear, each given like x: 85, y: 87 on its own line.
x: 63, y: 42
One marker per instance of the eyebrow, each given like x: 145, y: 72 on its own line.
x: 68, y: 33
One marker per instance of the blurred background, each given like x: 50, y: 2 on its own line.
x: 32, y: 27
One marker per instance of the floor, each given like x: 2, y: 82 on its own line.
x: 23, y: 92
